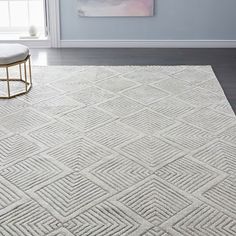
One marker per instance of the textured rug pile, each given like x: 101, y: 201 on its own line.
x: 113, y: 151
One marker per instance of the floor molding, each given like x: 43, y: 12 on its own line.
x: 31, y: 43
x: 148, y: 43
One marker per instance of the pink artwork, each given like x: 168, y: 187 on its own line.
x: 103, y: 8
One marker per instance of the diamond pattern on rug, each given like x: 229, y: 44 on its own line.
x: 112, y: 134
x: 221, y: 195
x: 15, y: 148
x: 148, y: 121
x: 71, y: 84
x: 155, y: 201
x: 212, y: 85
x: 168, y: 70
x: 87, y: 118
x: 54, y: 134
x: 173, y: 86
x: 61, y: 232
x: 229, y: 135
x: 219, y: 155
x: 103, y: 219
x: 118, y: 151
x: 95, y: 74
x: 146, y: 76
x: 91, y: 95
x: 40, y: 93
x: 155, y: 231
x: 27, y: 219
x: 124, y: 69
x: 8, y: 107
x: 79, y: 153
x: 23, y: 120
x: 223, y: 107
x: 2, y: 132
x: 116, y: 84
x: 209, y: 120
x: 205, y: 220
x: 194, y: 76
x: 145, y: 94
x: 31, y: 172
x: 49, y: 74
x: 152, y: 151
x: 121, y: 106
x: 57, y: 105
x: 172, y: 107
x: 188, y: 136
x: 9, y: 194
x: 120, y: 172
x: 200, y: 97
x: 70, y: 194
x: 186, y: 174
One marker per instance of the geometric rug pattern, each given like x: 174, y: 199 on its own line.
x: 118, y: 151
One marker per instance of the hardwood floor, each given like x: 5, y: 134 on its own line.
x: 223, y: 61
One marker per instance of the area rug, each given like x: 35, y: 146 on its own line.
x: 113, y: 151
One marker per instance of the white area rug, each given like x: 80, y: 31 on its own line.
x: 113, y: 151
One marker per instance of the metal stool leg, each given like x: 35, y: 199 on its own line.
x: 26, y: 85
x: 30, y: 71
x: 20, y: 71
x: 8, y: 83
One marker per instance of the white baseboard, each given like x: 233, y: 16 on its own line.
x: 31, y: 43
x: 38, y: 43
x: 148, y: 43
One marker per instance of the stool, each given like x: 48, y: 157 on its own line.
x: 15, y: 55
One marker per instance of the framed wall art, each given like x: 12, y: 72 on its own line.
x: 115, y: 8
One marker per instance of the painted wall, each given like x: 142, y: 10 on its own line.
x: 173, y: 20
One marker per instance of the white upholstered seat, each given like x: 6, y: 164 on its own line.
x: 11, y: 53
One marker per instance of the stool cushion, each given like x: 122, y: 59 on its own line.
x: 11, y: 53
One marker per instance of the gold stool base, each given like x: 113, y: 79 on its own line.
x: 27, y: 83
x: 29, y: 86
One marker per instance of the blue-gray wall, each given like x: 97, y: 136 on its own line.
x: 173, y: 20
